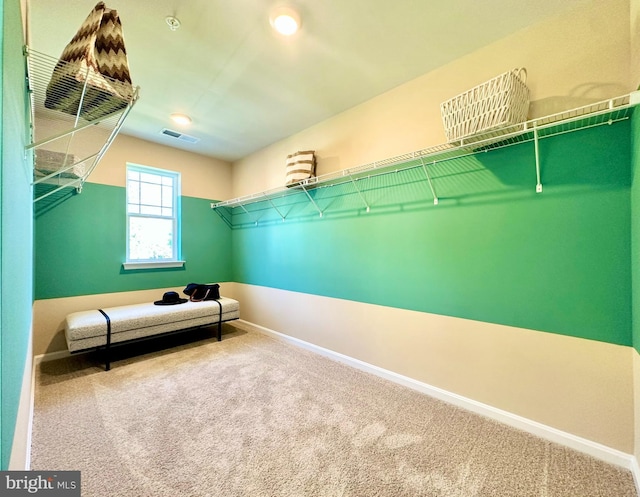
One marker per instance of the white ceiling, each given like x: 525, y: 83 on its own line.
x: 246, y: 87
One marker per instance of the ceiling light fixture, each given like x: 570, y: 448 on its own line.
x: 181, y: 119
x: 285, y: 20
x: 173, y: 22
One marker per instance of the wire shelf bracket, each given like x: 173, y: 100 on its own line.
x: 361, y: 195
x: 313, y: 202
x: 67, y: 145
x: 537, y: 155
x: 597, y: 114
x: 426, y: 173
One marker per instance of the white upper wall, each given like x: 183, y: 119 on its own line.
x: 201, y: 177
x: 634, y: 15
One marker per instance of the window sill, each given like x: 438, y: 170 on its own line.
x: 130, y: 266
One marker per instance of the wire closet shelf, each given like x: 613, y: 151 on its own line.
x: 68, y: 145
x: 596, y: 114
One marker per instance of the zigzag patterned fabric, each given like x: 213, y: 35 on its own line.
x: 93, y: 69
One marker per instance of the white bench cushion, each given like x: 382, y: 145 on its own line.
x: 88, y: 329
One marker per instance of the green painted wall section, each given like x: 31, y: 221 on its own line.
x: 3, y: 443
x: 635, y: 227
x: 493, y: 250
x: 16, y: 214
x: 80, y: 246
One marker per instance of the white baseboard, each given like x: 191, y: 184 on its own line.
x: 635, y: 471
x: 594, y: 449
x: 20, y: 459
x: 51, y: 356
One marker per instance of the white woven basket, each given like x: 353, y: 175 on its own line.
x: 501, y: 101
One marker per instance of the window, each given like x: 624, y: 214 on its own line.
x: 153, y: 218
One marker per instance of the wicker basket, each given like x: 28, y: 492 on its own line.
x: 501, y: 101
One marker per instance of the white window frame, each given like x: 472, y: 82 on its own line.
x: 175, y: 260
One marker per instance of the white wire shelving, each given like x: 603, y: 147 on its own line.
x: 68, y: 145
x: 589, y: 116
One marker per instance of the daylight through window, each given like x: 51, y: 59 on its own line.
x: 153, y: 208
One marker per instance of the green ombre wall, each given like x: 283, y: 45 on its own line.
x: 16, y: 238
x: 81, y: 245
x: 635, y: 226
x: 492, y: 250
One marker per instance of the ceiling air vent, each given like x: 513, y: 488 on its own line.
x: 179, y: 136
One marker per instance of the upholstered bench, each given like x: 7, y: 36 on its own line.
x: 103, y: 327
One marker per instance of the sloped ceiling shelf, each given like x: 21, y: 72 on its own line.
x: 597, y: 114
x: 67, y: 145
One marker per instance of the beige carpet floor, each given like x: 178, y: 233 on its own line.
x: 254, y: 416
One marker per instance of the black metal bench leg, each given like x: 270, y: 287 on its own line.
x: 219, y: 322
x: 107, y: 347
x: 107, y: 350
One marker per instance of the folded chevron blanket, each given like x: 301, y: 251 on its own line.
x: 92, y: 76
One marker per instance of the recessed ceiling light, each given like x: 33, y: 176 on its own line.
x: 181, y: 119
x: 285, y: 20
